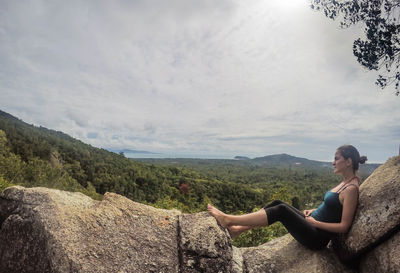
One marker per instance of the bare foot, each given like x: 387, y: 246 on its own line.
x: 218, y: 215
x: 234, y: 231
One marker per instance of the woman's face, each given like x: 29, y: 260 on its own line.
x: 340, y: 165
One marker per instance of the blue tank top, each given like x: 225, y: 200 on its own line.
x: 330, y: 210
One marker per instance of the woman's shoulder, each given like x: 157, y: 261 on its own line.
x: 351, y: 188
x: 350, y: 192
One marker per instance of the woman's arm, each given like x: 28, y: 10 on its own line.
x: 350, y: 200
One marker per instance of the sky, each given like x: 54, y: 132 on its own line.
x: 189, y: 78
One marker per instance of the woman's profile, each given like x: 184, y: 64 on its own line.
x: 313, y: 228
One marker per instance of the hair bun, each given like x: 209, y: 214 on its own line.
x: 363, y: 159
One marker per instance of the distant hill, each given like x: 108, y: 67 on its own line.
x: 278, y: 160
x: 270, y: 161
x: 129, y: 151
x: 289, y: 160
x: 242, y: 157
x: 292, y: 161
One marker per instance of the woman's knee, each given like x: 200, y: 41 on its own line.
x: 276, y: 212
x: 283, y: 208
x: 274, y: 203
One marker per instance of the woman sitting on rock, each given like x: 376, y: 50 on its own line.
x: 313, y: 228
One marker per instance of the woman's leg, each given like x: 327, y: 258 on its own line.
x: 293, y: 219
x: 235, y: 231
x: 255, y: 219
x: 295, y: 222
x: 279, y: 202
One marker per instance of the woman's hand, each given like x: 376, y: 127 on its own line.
x: 311, y: 220
x: 308, y: 212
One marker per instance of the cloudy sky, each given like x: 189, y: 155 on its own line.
x: 189, y: 78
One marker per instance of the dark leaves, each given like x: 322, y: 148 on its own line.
x: 380, y: 49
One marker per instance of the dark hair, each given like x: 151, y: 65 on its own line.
x: 349, y: 151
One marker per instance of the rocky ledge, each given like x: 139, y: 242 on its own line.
x: 45, y: 230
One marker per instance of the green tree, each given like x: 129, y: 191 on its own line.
x: 4, y: 183
x: 380, y: 50
x: 3, y: 143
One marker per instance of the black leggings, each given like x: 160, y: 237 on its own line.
x: 295, y: 222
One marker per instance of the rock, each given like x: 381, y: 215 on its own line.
x: 383, y: 259
x: 378, y: 212
x: 44, y: 230
x: 237, y: 260
x: 205, y: 246
x: 285, y: 254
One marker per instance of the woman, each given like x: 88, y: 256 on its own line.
x: 313, y: 228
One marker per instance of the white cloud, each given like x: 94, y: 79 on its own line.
x: 192, y: 77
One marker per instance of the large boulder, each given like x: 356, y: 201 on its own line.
x: 285, y: 254
x: 205, y: 246
x: 378, y: 212
x: 383, y: 259
x: 44, y: 230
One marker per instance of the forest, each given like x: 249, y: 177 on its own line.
x: 33, y: 156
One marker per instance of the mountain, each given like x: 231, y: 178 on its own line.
x: 286, y: 160
x: 280, y: 161
x: 129, y: 151
x: 239, y: 157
